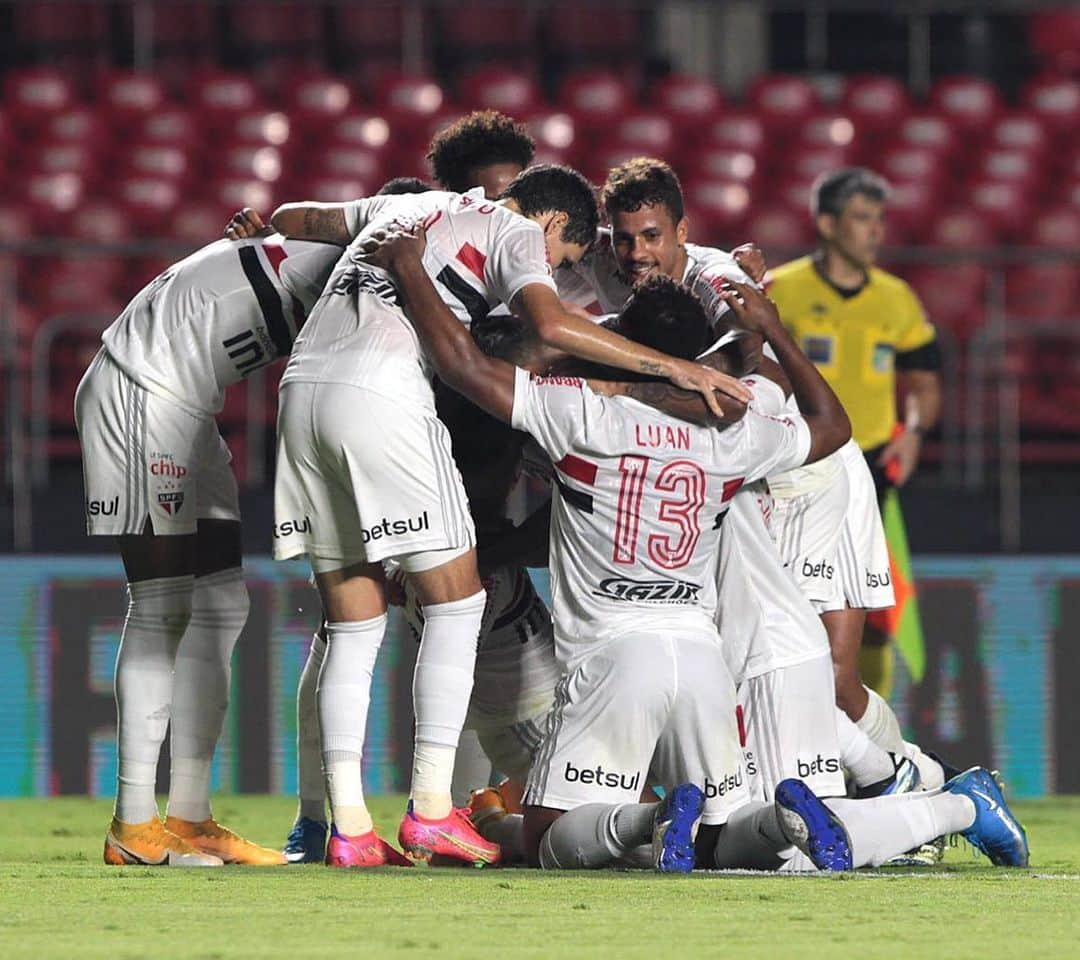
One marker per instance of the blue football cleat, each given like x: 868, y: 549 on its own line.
x: 675, y: 827
x: 995, y: 832
x: 812, y: 826
x: 306, y: 842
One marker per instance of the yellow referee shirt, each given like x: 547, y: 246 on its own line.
x: 854, y: 339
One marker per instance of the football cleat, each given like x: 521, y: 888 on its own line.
x: 675, y: 827
x: 485, y: 806
x: 150, y: 844
x: 995, y: 832
x: 452, y: 836
x: 209, y: 836
x: 928, y: 855
x: 907, y: 779
x: 366, y: 850
x: 812, y: 826
x: 306, y: 842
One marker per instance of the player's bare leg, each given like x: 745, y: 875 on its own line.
x: 452, y: 600
x: 161, y: 574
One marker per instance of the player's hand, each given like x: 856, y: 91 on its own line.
x: 901, y: 456
x: 246, y: 224
x: 723, y: 395
x: 754, y: 310
x: 750, y: 257
x: 388, y: 248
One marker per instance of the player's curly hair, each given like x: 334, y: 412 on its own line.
x: 552, y: 186
x: 664, y: 314
x: 641, y: 182
x: 480, y: 139
x: 398, y: 186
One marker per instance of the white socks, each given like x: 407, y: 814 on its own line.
x: 472, y: 768
x: 442, y: 685
x: 879, y: 723
x: 885, y: 827
x: 219, y: 610
x: 931, y: 773
x: 867, y: 763
x: 344, y: 693
x: 158, y: 613
x: 309, y: 771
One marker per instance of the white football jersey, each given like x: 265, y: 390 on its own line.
x: 764, y: 620
x: 208, y: 321
x: 640, y: 501
x: 478, y: 254
x: 596, y: 278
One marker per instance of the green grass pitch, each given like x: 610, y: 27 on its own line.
x: 57, y: 899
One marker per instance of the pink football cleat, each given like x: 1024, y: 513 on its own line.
x: 453, y: 837
x: 366, y: 850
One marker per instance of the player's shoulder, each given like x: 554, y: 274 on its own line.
x: 714, y: 258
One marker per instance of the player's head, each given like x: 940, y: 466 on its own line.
x: 562, y: 201
x: 848, y: 207
x: 644, y: 202
x: 401, y: 185
x: 484, y: 149
x: 664, y: 314
x: 511, y: 339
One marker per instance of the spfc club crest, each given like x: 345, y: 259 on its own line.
x: 171, y: 501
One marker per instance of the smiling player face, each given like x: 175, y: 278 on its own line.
x: 648, y: 242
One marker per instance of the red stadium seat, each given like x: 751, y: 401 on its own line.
x: 723, y: 204
x: 51, y: 197
x: 360, y: 129
x: 809, y: 163
x: 1056, y: 100
x: 223, y: 96
x: 953, y: 295
x: 912, y: 205
x: 552, y: 130
x: 598, y: 161
x: 1011, y: 166
x: 267, y: 128
x: 475, y: 31
x: 738, y: 131
x: 876, y: 104
x: 1043, y: 290
x: 57, y: 158
x: 1055, y: 38
x: 594, y: 97
x: 779, y: 228
x: 285, y: 30
x: 1057, y: 228
x: 929, y: 131
x: 970, y: 102
x: 371, y: 34
x: 232, y: 193
x: 1071, y: 193
x: 77, y: 124
x: 128, y: 97
x: 158, y: 160
x: 75, y: 283
x: 199, y: 222
x: 690, y: 102
x: 591, y: 32
x: 33, y: 95
x: 829, y: 130
x: 962, y: 228
x: 184, y: 36
x: 651, y: 133
x: 722, y: 163
x: 100, y: 221
x: 172, y: 125
x: 249, y: 162
x: 343, y: 162
x: 16, y: 220
x: 335, y: 189
x: 149, y: 201
x: 410, y: 100
x: 73, y: 34
x: 900, y: 164
x: 784, y: 102
x: 499, y: 88
x: 1007, y: 204
x: 1019, y: 130
x: 315, y: 100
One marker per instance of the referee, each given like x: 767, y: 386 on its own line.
x: 868, y: 335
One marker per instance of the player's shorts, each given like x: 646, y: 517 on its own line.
x: 147, y: 457
x: 788, y: 724
x: 362, y: 478
x: 647, y: 707
x: 808, y: 528
x: 863, y: 554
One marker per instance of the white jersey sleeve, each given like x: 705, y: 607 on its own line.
x: 769, y: 398
x: 551, y: 409
x: 359, y: 213
x: 518, y: 259
x: 773, y: 444
x: 306, y: 268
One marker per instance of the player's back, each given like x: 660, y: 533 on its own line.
x: 478, y: 254
x: 640, y: 503
x: 210, y: 319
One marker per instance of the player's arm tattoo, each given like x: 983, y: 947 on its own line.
x: 650, y: 367
x: 664, y: 396
x: 326, y: 224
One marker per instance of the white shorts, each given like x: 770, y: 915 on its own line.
x: 147, y: 457
x: 643, y: 706
x: 362, y: 478
x: 863, y: 554
x: 788, y: 723
x: 808, y: 529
